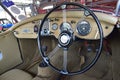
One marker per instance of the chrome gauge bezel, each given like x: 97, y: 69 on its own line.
x: 54, y: 26
x: 69, y: 26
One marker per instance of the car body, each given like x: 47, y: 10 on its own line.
x: 73, y: 37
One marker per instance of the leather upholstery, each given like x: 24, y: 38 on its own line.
x: 16, y: 74
x: 79, y: 77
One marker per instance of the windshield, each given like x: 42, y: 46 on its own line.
x: 98, y: 5
x: 108, y: 5
x: 102, y: 3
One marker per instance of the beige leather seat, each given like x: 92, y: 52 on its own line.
x: 79, y: 77
x: 16, y: 74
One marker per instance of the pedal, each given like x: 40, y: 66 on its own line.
x: 43, y: 64
x: 44, y: 48
x: 89, y: 48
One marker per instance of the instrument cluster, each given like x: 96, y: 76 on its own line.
x: 55, y: 26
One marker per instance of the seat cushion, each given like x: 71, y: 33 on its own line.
x: 79, y: 77
x: 16, y: 74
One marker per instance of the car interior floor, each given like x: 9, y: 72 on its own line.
x: 78, y: 56
x: 101, y: 71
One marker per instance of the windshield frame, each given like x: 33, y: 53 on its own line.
x: 117, y: 13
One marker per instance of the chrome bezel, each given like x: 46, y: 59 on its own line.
x: 56, y: 27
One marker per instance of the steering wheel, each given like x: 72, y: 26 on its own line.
x: 65, y: 39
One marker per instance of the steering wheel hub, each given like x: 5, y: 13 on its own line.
x: 64, y: 39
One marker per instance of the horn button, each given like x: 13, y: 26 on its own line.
x: 64, y: 39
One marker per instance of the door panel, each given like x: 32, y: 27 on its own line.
x: 9, y: 53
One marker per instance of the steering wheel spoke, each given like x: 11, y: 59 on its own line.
x: 65, y: 52
x: 53, y: 52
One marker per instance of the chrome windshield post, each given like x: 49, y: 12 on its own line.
x: 117, y: 8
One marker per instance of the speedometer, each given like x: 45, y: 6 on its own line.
x: 83, y: 28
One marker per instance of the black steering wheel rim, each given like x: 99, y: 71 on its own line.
x: 46, y: 59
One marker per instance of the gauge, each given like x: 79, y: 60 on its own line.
x: 54, y: 26
x: 65, y: 26
x: 83, y: 28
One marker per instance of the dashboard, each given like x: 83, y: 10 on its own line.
x: 85, y: 28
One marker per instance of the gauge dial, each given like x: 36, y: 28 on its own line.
x: 65, y: 26
x: 54, y: 26
x: 83, y: 28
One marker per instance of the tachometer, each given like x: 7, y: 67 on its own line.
x: 65, y: 26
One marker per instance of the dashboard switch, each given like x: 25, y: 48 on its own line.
x: 35, y: 28
x: 73, y: 22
